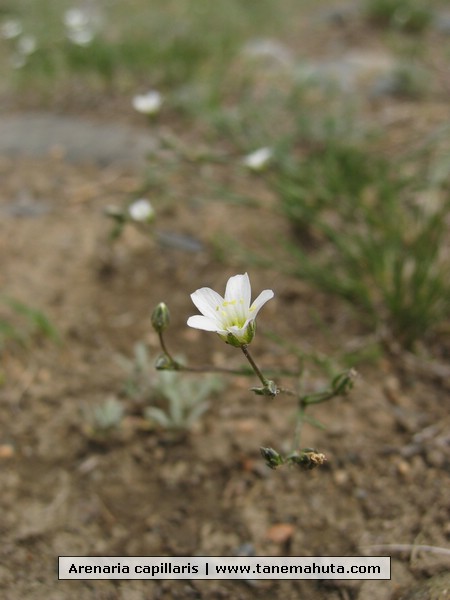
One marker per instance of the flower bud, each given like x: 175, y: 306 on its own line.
x: 272, y: 457
x: 344, y: 382
x: 165, y: 363
x: 160, y: 317
x: 115, y: 212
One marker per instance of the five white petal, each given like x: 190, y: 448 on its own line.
x: 232, y: 314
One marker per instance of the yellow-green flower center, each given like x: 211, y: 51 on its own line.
x: 232, y: 313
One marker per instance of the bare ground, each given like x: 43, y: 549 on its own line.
x: 141, y: 492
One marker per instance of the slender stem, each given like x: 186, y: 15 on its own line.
x: 287, y: 392
x: 164, y: 348
x: 213, y: 369
x: 243, y: 372
x: 248, y: 356
x: 298, y: 429
x: 318, y: 398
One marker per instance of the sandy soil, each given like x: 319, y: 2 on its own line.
x: 145, y: 491
x: 140, y: 492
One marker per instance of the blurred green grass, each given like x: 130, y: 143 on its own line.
x: 365, y: 230
x: 412, y: 16
x: 23, y: 323
x: 165, y: 43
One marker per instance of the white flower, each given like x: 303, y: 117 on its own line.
x: 81, y: 37
x: 259, y: 159
x: 26, y: 45
x: 149, y: 103
x: 18, y: 61
x: 268, y: 49
x: 141, y: 210
x: 232, y: 317
x: 11, y: 28
x: 76, y: 18
x: 81, y: 25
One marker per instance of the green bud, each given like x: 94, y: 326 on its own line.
x: 343, y: 382
x: 160, y: 317
x: 115, y: 213
x: 165, y: 363
x: 272, y: 457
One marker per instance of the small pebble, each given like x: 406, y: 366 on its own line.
x: 280, y: 533
x: 6, y: 451
x: 341, y: 477
x: 403, y: 469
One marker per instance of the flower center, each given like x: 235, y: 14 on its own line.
x: 232, y: 313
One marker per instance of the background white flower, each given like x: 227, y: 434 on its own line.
x: 269, y: 50
x: 11, y: 28
x: 141, y: 210
x: 82, y: 25
x: 149, y: 103
x: 26, y: 45
x: 81, y: 37
x: 17, y: 61
x: 259, y: 159
x: 232, y: 317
